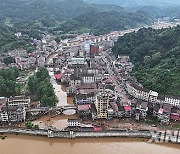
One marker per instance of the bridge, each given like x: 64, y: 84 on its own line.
x: 45, y: 110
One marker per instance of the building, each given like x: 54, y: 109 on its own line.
x: 164, y: 113
x: 141, y: 110
x: 41, y: 61
x: 175, y: 114
x: 88, y: 78
x: 74, y: 122
x: 84, y: 110
x: 102, y: 104
x: 139, y: 92
x: 173, y: 100
x: 90, y: 97
x: 3, y: 101
x: 12, y: 114
x: 75, y: 80
x: 94, y: 50
x: 24, y: 101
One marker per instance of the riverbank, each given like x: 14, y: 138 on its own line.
x: 20, y: 144
x: 97, y: 134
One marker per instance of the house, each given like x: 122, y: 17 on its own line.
x: 84, y: 86
x: 173, y: 100
x: 13, y: 114
x: 71, y: 91
x: 88, y: 78
x: 120, y: 112
x: 41, y: 61
x: 164, y: 113
x: 75, y: 80
x: 141, y: 110
x: 74, y: 122
x: 102, y: 101
x: 3, y: 101
x: 127, y: 111
x: 24, y: 101
x: 139, y: 92
x: 84, y: 110
x: 90, y: 97
x: 175, y: 114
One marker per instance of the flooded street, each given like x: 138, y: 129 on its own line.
x: 60, y: 90
x: 61, y: 95
x: 19, y: 144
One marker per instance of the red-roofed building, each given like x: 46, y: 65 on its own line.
x: 58, y: 76
x: 98, y: 129
x: 84, y: 110
x: 128, y: 111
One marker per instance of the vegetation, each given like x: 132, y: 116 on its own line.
x: 30, y: 125
x: 176, y: 126
x: 104, y: 22
x: 156, y: 55
x: 47, y: 15
x: 40, y: 87
x: 8, y: 41
x: 8, y: 85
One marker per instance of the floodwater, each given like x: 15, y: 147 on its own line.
x: 58, y: 122
x: 60, y: 90
x: 61, y: 95
x: 19, y: 144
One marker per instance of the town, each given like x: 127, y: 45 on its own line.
x: 99, y: 84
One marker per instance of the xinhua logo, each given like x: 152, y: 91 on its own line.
x: 165, y: 136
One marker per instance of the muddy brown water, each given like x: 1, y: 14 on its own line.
x: 19, y: 144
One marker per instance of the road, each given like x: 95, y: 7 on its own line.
x: 118, y: 87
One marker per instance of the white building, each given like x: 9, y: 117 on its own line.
x: 74, y: 122
x: 173, y: 100
x: 102, y: 104
x: 19, y: 101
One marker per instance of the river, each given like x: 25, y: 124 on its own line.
x: 19, y: 144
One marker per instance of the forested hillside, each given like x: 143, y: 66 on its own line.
x: 132, y: 3
x: 104, y: 22
x: 156, y: 55
x: 8, y: 40
x: 67, y: 16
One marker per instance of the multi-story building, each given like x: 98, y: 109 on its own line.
x: 75, y: 80
x: 141, y: 110
x: 74, y: 122
x: 3, y: 101
x: 88, y: 78
x: 13, y: 114
x: 84, y: 110
x: 164, y: 113
x: 173, y: 100
x: 41, y: 61
x: 139, y: 92
x: 102, y: 104
x: 24, y: 101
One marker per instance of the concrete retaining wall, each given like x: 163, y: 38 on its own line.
x: 89, y: 134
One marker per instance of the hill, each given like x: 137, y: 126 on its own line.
x: 104, y: 22
x: 156, y: 55
x: 78, y: 15
x: 8, y: 40
x: 133, y: 3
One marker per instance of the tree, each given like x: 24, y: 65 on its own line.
x: 58, y: 39
x: 9, y: 60
x: 147, y: 59
x: 36, y: 126
x: 29, y: 125
x: 32, y: 84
